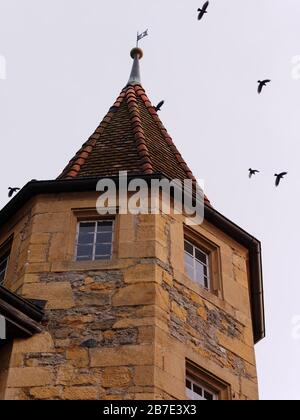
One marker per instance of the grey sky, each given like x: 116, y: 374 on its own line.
x: 67, y: 61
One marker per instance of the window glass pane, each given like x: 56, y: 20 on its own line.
x: 199, y: 273
x: 189, y: 271
x: 190, y: 394
x: 86, y: 238
x: 208, y: 396
x: 104, y: 237
x: 197, y: 390
x: 200, y: 256
x: 85, y: 251
x: 87, y: 227
x: 103, y: 249
x: 105, y: 226
x: 188, y: 248
x: 189, y: 260
x: 188, y: 384
x: 95, y: 240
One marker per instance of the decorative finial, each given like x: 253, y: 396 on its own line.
x: 135, y: 75
x: 136, y: 53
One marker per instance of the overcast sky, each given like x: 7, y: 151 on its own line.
x: 67, y: 61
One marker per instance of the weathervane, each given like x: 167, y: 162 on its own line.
x: 141, y: 36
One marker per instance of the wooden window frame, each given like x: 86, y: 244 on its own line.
x: 214, y: 259
x: 208, y: 381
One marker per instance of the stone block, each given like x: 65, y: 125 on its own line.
x: 57, y: 295
x: 179, y: 311
x: 250, y: 389
x: 122, y: 356
x: 29, y: 377
x: 237, y: 347
x: 45, y: 393
x: 141, y: 273
x: 15, y: 394
x: 236, y: 295
x: 50, y: 222
x: 31, y: 278
x: 116, y: 377
x: 162, y: 299
x: 40, y: 343
x: 136, y: 294
x: 37, y: 254
x: 81, y: 393
x: 78, y: 356
x: 144, y: 375
x: 57, y: 249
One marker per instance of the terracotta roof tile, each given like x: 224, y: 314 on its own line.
x: 131, y: 138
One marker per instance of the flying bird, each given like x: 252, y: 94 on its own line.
x: 279, y: 177
x: 12, y: 191
x: 261, y: 84
x: 253, y: 172
x: 203, y: 10
x: 159, y: 105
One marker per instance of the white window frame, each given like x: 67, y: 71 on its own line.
x: 97, y: 222
x: 194, y: 278
x: 191, y: 395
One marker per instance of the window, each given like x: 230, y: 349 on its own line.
x: 3, y: 267
x: 4, y: 258
x: 204, y: 386
x: 196, y: 391
x: 95, y: 240
x: 197, y: 264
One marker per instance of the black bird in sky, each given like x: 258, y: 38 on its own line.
x: 252, y: 172
x: 203, y: 10
x: 159, y: 105
x: 261, y: 84
x: 12, y: 191
x: 279, y: 177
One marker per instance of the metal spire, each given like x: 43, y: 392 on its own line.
x: 135, y: 75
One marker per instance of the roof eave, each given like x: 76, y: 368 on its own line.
x: 21, y: 315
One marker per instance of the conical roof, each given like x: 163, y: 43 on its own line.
x: 131, y: 137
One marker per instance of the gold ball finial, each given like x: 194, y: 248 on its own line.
x: 136, y: 52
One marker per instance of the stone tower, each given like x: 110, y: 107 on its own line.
x: 125, y: 306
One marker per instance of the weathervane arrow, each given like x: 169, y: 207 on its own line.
x: 141, y: 36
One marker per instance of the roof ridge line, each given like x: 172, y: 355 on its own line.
x: 73, y: 167
x: 138, y: 131
x: 142, y: 94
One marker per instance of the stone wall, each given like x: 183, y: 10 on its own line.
x: 123, y: 329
